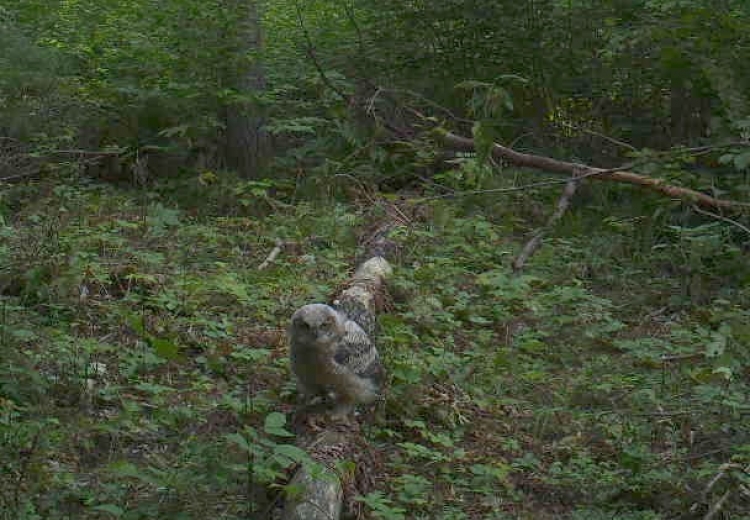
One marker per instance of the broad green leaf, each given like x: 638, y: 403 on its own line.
x: 291, y: 452
x: 274, y: 425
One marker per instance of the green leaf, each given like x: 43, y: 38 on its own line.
x: 180, y: 130
x: 727, y: 158
x: 135, y: 322
x: 126, y: 469
x: 479, y: 320
x: 725, y: 372
x: 742, y: 161
x: 274, y: 425
x: 239, y: 440
x: 164, y: 348
x: 293, y: 453
x: 484, y: 140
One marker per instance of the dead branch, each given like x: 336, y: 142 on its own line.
x: 682, y: 357
x: 621, y: 174
x: 288, y: 246
x: 460, y: 143
x: 722, y: 218
x: 717, y: 506
x: 275, y: 252
x: 536, y: 241
x: 725, y: 470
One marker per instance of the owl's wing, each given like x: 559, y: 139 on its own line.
x: 357, y: 352
x: 355, y: 310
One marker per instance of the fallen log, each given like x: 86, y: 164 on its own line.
x: 319, y: 494
x: 582, y: 171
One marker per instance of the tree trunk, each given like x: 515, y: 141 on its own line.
x: 247, y: 143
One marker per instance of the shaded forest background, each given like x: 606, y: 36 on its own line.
x: 153, y: 152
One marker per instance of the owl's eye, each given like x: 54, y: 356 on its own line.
x: 301, y: 324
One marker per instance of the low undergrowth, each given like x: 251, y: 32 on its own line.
x: 144, y: 373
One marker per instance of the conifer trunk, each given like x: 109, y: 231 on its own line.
x: 247, y: 144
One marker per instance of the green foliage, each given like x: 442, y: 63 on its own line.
x: 143, y: 348
x: 382, y: 507
x: 144, y: 371
x: 587, y: 64
x: 610, y: 398
x: 146, y: 79
x: 135, y: 342
x: 29, y: 83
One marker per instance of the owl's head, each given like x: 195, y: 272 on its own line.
x: 317, y: 325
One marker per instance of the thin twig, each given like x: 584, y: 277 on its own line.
x: 536, y: 241
x: 429, y: 102
x: 683, y: 357
x: 722, y: 218
x: 711, y: 483
x: 310, y: 49
x: 361, y: 184
x: 349, y: 9
x: 663, y: 413
x: 523, y: 187
x: 371, y: 199
x: 19, y: 176
x: 88, y: 152
x: 603, y: 136
x: 718, y: 505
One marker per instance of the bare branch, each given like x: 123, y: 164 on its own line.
x: 536, y: 241
x: 718, y: 506
x: 722, y: 218
x: 275, y: 252
x: 461, y: 143
x: 612, y: 140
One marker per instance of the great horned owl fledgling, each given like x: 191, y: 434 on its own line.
x: 331, y: 354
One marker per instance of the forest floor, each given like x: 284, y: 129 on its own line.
x: 144, y: 370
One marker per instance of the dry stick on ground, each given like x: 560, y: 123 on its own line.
x: 724, y: 470
x: 536, y: 241
x: 281, y: 246
x: 320, y: 495
x: 718, y: 505
x: 465, y: 144
x: 271, y: 258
